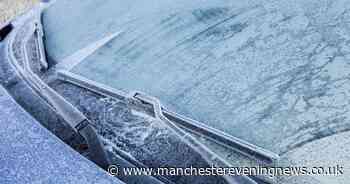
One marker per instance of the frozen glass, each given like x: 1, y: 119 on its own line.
x: 274, y: 74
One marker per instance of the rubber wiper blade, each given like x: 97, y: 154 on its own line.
x: 237, y: 144
x: 180, y: 123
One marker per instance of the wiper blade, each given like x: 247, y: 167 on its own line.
x: 181, y: 123
x: 207, y: 154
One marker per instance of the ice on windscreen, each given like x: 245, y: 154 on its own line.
x: 72, y: 24
x: 274, y: 73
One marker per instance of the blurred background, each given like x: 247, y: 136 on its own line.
x: 11, y: 8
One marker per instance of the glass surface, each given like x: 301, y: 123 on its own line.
x: 271, y: 74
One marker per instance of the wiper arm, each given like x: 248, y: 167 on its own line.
x: 72, y: 116
x: 254, y: 152
x: 208, y: 155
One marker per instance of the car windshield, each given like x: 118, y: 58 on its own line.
x: 248, y: 69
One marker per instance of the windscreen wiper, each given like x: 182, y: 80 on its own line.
x: 135, y: 97
x: 179, y: 124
